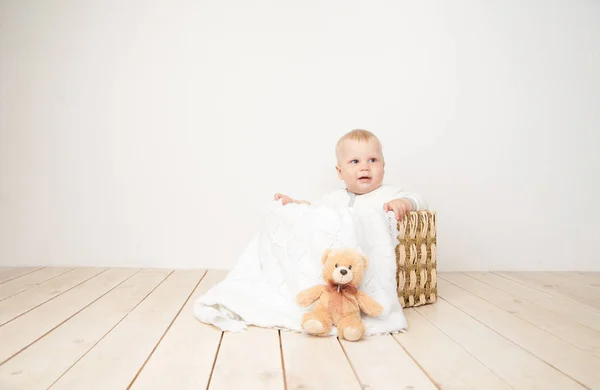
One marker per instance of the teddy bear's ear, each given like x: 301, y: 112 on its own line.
x: 325, y: 255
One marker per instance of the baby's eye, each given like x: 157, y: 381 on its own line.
x: 354, y: 161
x: 373, y: 160
x: 349, y: 267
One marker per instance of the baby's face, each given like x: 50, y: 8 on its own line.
x: 360, y: 165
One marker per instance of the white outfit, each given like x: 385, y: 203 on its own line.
x: 285, y: 257
x: 376, y: 198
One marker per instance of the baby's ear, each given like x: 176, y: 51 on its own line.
x: 325, y: 255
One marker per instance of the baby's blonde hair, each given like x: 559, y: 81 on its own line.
x: 359, y: 135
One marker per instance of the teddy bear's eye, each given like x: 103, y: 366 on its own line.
x: 349, y: 267
x: 337, y: 265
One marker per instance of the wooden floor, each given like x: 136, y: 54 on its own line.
x: 96, y: 328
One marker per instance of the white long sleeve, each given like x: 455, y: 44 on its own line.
x: 385, y: 193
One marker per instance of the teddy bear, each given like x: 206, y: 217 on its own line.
x: 339, y: 302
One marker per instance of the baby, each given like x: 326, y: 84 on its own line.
x: 360, y: 164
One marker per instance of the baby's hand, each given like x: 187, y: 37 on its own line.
x: 284, y: 199
x: 399, y: 206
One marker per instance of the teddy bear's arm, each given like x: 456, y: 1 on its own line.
x: 367, y: 304
x: 308, y: 296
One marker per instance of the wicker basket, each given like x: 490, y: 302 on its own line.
x: 416, y: 259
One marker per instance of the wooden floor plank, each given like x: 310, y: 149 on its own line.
x: 32, y: 279
x: 45, y: 361
x: 445, y: 361
x: 26, y: 329
x: 185, y: 357
x: 115, y: 361
x: 124, y: 328
x: 316, y: 363
x: 8, y: 274
x: 563, y: 307
x: 587, y: 279
x: 560, y: 326
x: 556, y: 286
x: 248, y: 360
x: 571, y: 360
x: 381, y: 363
x: 577, y: 285
x: 517, y: 367
x: 31, y: 298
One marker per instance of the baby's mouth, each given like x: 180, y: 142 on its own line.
x: 364, y: 178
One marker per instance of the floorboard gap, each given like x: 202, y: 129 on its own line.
x: 212, y: 369
x: 282, y: 360
x: 66, y: 319
x: 168, y: 327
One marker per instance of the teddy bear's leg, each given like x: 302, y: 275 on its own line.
x: 317, y: 322
x: 351, y: 327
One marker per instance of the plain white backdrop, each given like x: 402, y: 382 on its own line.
x: 153, y: 133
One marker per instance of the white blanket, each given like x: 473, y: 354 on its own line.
x: 285, y: 257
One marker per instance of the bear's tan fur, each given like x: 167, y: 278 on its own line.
x: 339, y: 303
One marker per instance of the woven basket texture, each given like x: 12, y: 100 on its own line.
x: 416, y: 259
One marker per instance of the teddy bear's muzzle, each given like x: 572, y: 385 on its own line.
x: 342, y: 275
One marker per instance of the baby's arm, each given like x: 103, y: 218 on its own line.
x: 400, y: 207
x: 404, y: 202
x: 416, y: 201
x: 286, y: 199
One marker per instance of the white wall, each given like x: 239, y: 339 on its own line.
x: 152, y: 133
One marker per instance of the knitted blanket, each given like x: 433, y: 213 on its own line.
x: 284, y: 257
